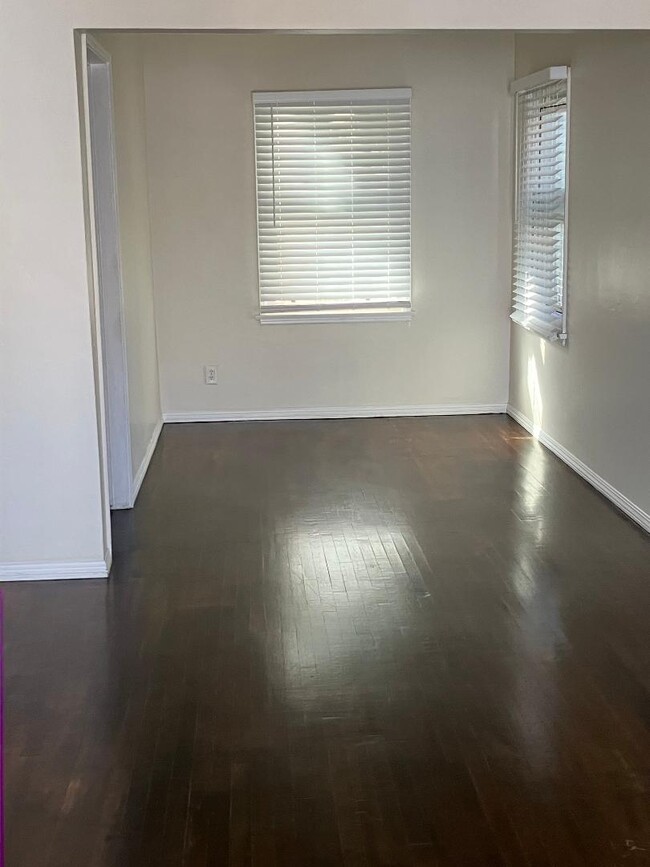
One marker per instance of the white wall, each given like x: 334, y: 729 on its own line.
x: 593, y: 395
x: 50, y: 487
x: 133, y: 197
x: 50, y: 502
x: 202, y: 193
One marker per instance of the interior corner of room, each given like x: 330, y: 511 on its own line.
x: 179, y: 202
x: 324, y: 373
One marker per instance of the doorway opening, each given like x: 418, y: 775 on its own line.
x: 108, y: 301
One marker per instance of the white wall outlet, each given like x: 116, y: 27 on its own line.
x: 210, y: 372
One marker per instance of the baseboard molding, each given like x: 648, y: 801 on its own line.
x: 325, y: 412
x: 55, y: 571
x: 146, y: 460
x: 598, y: 482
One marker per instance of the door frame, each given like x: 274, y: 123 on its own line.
x: 107, y: 299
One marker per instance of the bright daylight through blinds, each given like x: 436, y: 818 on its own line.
x: 539, y: 241
x: 333, y: 201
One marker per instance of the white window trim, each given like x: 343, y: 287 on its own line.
x: 286, y: 97
x: 401, y: 313
x: 396, y: 314
x: 537, y: 79
x: 530, y: 82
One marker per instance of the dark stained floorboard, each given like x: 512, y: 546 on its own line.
x: 364, y: 642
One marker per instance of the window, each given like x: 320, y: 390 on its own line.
x: 539, y: 244
x: 333, y: 175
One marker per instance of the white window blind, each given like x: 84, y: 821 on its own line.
x: 333, y: 202
x: 539, y: 249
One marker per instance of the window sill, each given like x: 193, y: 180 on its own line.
x: 318, y: 317
x: 559, y: 339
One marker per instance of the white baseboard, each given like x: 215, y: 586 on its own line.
x: 146, y: 460
x: 55, y: 571
x: 602, y: 485
x: 325, y: 412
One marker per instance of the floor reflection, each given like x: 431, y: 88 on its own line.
x: 384, y: 641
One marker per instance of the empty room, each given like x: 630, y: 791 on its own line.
x: 325, y: 434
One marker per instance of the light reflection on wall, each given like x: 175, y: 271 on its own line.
x: 534, y: 394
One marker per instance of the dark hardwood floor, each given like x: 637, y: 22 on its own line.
x: 371, y: 642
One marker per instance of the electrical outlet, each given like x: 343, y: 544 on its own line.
x: 210, y: 371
